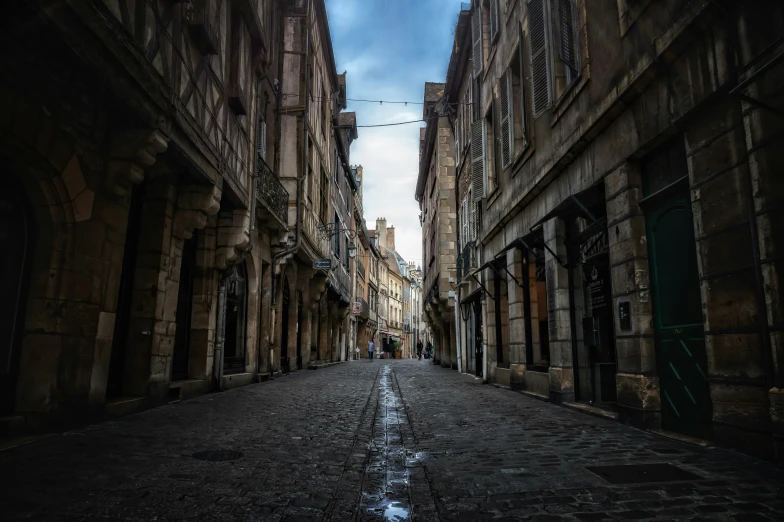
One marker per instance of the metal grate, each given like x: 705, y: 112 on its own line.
x: 218, y: 455
x: 636, y: 473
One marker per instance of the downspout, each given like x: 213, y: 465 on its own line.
x: 298, y: 225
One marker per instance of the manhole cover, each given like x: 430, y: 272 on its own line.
x: 635, y: 473
x: 218, y: 455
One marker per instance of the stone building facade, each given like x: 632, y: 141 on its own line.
x: 435, y: 192
x: 316, y: 138
x: 148, y: 190
x: 628, y: 207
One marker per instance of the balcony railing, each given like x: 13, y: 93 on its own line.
x: 467, y: 260
x: 310, y: 226
x: 361, y: 269
x: 271, y: 193
x: 364, y: 310
x: 341, y: 281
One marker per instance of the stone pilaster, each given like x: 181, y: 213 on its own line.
x: 558, y: 314
x: 517, y: 362
x: 639, y: 400
x: 722, y: 200
x: 233, y: 236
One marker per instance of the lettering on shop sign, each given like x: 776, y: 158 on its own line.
x: 597, y: 286
x: 322, y: 264
x: 550, y: 284
x: 624, y: 316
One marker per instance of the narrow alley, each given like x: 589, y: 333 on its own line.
x: 395, y: 440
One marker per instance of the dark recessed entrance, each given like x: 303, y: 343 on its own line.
x: 284, y: 328
x: 184, y: 310
x: 236, y: 310
x: 15, y: 244
x: 299, y: 330
x: 638, y: 473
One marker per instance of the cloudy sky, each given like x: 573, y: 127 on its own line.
x: 390, y: 48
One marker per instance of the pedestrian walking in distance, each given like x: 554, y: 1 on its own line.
x: 370, y: 350
x: 419, y: 349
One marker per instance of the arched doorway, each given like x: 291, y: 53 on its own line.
x: 235, y: 281
x: 284, y: 328
x: 15, y: 249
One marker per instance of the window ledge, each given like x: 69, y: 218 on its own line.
x: 493, y: 196
x: 570, y: 94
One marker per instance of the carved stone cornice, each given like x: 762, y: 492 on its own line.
x: 130, y: 154
x: 195, y: 204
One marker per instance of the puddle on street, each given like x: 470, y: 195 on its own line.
x: 385, y: 488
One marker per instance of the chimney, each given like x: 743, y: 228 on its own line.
x: 381, y: 234
x: 391, y: 238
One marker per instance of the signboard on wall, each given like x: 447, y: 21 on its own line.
x: 356, y: 308
x: 322, y: 264
x: 598, y: 281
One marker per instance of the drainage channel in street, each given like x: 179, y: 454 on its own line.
x: 385, y: 488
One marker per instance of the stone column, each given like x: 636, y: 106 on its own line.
x: 334, y: 339
x: 639, y: 399
x: 558, y: 316
x: 514, y: 263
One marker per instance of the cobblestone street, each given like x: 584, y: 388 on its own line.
x: 361, y: 441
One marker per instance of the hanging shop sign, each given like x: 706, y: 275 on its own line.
x: 598, y: 279
x: 322, y: 264
x: 356, y: 308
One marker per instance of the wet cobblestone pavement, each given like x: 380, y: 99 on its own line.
x: 359, y: 441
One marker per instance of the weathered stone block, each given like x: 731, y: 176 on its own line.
x: 736, y: 355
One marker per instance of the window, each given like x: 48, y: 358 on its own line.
x: 261, y: 139
x: 491, y: 146
x: 566, y: 23
x: 476, y: 36
x: 477, y: 160
x: 336, y: 246
x: 560, y: 64
x: 512, y: 111
x: 494, y: 23
x: 539, y: 45
x: 464, y: 226
x: 324, y: 194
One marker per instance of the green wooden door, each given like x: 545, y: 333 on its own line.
x: 677, y: 308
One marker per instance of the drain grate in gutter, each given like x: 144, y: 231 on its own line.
x: 636, y: 473
x: 218, y: 455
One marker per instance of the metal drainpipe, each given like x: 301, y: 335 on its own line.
x: 298, y: 227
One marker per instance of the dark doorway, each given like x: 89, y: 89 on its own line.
x: 114, y: 386
x: 235, y: 282
x: 594, y: 339
x: 15, y: 247
x: 182, y: 336
x: 478, y: 350
x: 681, y: 358
x: 284, y: 328
x: 499, y: 336
x: 299, y: 330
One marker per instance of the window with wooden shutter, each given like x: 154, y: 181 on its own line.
x: 539, y: 45
x: 476, y: 33
x: 493, y: 20
x: 473, y: 223
x: 507, y: 125
x: 567, y: 48
x: 261, y: 140
x: 477, y: 160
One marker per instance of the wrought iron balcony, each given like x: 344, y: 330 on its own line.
x: 271, y: 193
x: 364, y: 310
x: 467, y: 260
